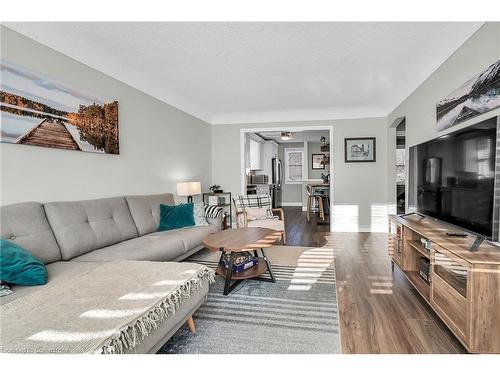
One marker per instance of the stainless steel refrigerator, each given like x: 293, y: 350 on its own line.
x: 276, y: 182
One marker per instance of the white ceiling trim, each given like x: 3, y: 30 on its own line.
x: 317, y: 114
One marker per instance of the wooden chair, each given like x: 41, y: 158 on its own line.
x: 276, y: 223
x: 313, y: 197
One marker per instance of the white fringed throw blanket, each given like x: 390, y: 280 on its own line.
x: 103, y: 310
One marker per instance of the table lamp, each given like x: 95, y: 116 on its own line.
x: 188, y: 189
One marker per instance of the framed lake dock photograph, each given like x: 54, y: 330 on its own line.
x: 39, y: 111
x: 360, y: 150
x: 478, y: 95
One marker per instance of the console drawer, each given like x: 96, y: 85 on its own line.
x: 450, y: 305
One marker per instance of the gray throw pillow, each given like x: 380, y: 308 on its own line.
x: 199, y: 215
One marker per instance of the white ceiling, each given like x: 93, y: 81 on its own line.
x: 259, y: 72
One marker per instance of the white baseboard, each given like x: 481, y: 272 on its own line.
x: 291, y: 204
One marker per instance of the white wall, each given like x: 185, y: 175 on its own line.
x: 315, y: 148
x: 359, y: 188
x: 476, y: 54
x: 159, y: 144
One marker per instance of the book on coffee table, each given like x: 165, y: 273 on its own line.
x: 242, y: 261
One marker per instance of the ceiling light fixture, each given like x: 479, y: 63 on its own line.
x: 286, y: 136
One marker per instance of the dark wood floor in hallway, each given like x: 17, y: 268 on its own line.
x: 380, y: 312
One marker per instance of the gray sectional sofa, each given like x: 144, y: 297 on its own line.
x: 70, y: 235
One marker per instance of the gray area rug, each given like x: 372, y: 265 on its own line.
x: 297, y: 314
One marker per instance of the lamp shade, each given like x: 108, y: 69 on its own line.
x: 186, y: 189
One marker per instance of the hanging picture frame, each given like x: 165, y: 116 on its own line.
x: 360, y: 150
x: 318, y: 161
x: 478, y: 95
x: 38, y: 110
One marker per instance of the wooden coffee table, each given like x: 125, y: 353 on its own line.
x: 232, y: 241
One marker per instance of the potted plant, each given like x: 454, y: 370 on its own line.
x: 215, y: 189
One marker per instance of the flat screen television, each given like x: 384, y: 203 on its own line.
x: 453, y: 177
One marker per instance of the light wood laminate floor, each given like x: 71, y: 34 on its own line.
x: 380, y: 312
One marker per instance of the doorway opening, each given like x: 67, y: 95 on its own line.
x: 400, y: 167
x: 287, y: 163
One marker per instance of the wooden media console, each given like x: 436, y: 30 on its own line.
x: 464, y: 285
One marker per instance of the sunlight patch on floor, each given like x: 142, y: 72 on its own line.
x: 346, y: 217
x: 381, y: 291
x: 380, y: 284
x: 379, y: 218
x: 311, y: 266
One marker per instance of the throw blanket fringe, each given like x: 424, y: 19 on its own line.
x: 132, y: 335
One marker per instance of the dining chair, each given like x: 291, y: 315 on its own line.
x: 313, y: 197
x: 245, y: 204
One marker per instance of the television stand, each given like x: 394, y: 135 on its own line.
x: 464, y: 274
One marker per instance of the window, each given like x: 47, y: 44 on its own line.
x: 294, y: 165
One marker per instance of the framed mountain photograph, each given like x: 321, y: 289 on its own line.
x: 478, y: 95
x: 360, y: 150
x: 36, y: 110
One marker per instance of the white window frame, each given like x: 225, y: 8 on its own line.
x: 287, y: 177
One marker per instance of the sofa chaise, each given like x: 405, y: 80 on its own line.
x: 115, y: 241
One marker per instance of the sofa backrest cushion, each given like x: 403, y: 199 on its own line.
x: 145, y: 210
x: 26, y: 225
x: 83, y: 226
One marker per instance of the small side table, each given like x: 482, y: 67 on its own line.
x: 227, y: 206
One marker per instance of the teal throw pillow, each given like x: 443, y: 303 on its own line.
x: 18, y: 266
x: 199, y: 215
x: 173, y: 217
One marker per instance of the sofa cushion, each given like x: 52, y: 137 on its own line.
x: 191, y: 237
x: 153, y: 248
x: 83, y: 226
x: 145, y: 210
x: 156, y: 246
x: 26, y: 225
x: 55, y: 271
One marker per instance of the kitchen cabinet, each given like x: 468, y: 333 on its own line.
x: 269, y: 151
x: 255, y: 154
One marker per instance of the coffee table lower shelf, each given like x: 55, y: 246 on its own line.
x: 251, y: 273
x: 254, y: 273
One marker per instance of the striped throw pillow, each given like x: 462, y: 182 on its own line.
x: 213, y: 211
